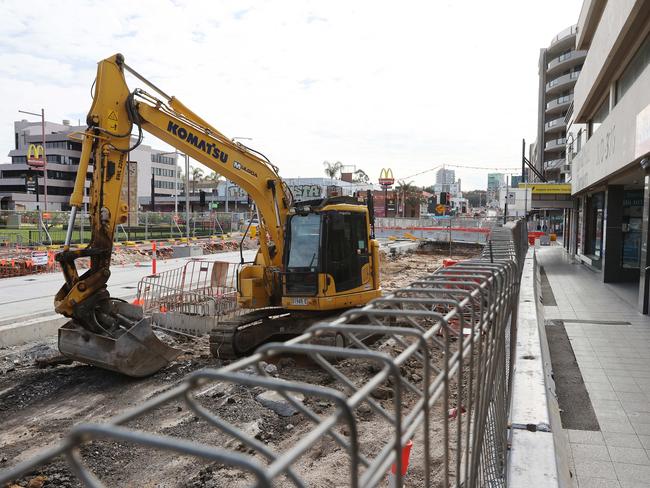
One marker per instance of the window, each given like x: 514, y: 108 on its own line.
x: 305, y: 242
x: 637, y: 64
x: 594, y: 228
x: 599, y: 117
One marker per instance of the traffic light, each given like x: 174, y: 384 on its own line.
x: 444, y: 198
x: 202, y: 198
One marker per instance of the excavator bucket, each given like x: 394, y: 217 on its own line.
x: 135, y: 352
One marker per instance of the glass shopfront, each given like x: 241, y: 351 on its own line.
x: 631, y: 228
x: 594, y: 220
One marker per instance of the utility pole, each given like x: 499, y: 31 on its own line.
x: 44, y: 156
x: 226, y: 195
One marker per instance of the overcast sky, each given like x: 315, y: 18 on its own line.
x: 406, y: 85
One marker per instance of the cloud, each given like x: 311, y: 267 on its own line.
x: 365, y: 82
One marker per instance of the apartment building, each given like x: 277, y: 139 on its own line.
x: 559, y: 67
x: 608, y: 146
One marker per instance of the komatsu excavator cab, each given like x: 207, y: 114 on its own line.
x: 329, y: 256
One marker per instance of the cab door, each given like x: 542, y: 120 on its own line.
x: 346, y: 248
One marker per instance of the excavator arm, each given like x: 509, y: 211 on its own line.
x: 117, y: 112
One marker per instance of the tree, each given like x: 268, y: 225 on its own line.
x: 360, y: 176
x: 409, y: 194
x: 332, y: 169
x: 213, y: 176
x: 197, y: 174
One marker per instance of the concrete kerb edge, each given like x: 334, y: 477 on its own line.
x: 536, y: 429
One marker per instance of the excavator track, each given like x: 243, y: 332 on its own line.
x: 240, y: 336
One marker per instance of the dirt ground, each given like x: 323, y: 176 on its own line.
x: 38, y: 406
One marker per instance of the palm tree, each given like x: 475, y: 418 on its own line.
x: 332, y: 169
x: 409, y: 193
x: 213, y: 176
x: 197, y: 174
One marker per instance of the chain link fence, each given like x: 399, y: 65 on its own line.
x: 429, y: 364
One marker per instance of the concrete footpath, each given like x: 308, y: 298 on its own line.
x: 27, y: 302
x: 611, y: 344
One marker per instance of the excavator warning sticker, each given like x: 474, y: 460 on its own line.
x: 112, y: 120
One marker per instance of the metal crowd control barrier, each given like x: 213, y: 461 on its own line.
x: 200, y: 287
x: 436, y: 356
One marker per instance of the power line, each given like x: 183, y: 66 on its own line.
x: 461, y: 166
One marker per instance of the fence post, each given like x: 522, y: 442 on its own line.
x: 146, y: 226
x: 153, y: 261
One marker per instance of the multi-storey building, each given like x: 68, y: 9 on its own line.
x: 495, y: 181
x: 445, y: 176
x: 609, y: 146
x: 559, y: 66
x: 63, y: 150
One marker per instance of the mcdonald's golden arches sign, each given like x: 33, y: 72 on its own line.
x: 35, y: 155
x: 386, y: 177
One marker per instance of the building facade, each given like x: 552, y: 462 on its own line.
x: 559, y: 67
x: 495, y: 181
x: 445, y: 176
x: 608, y: 146
x: 63, y: 150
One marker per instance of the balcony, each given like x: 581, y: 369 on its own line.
x: 565, y: 34
x: 555, y: 144
x: 561, y: 83
x: 555, y: 125
x: 565, y: 61
x: 559, y: 104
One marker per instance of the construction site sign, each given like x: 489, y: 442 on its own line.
x: 547, y: 188
x: 39, y: 258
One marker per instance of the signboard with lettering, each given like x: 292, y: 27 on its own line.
x: 39, y: 258
x: 31, y: 183
x: 548, y: 188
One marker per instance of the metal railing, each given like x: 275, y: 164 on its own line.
x: 200, y: 287
x: 436, y: 362
x: 24, y: 229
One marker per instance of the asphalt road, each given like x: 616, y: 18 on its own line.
x: 27, y: 296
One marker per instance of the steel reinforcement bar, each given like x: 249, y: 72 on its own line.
x: 429, y: 363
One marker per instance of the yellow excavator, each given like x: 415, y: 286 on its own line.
x: 314, y: 257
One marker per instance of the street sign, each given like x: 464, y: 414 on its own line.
x: 39, y: 258
x: 214, y: 205
x: 440, y: 208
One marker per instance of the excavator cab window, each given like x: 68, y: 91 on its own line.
x: 303, y: 259
x: 346, y: 248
